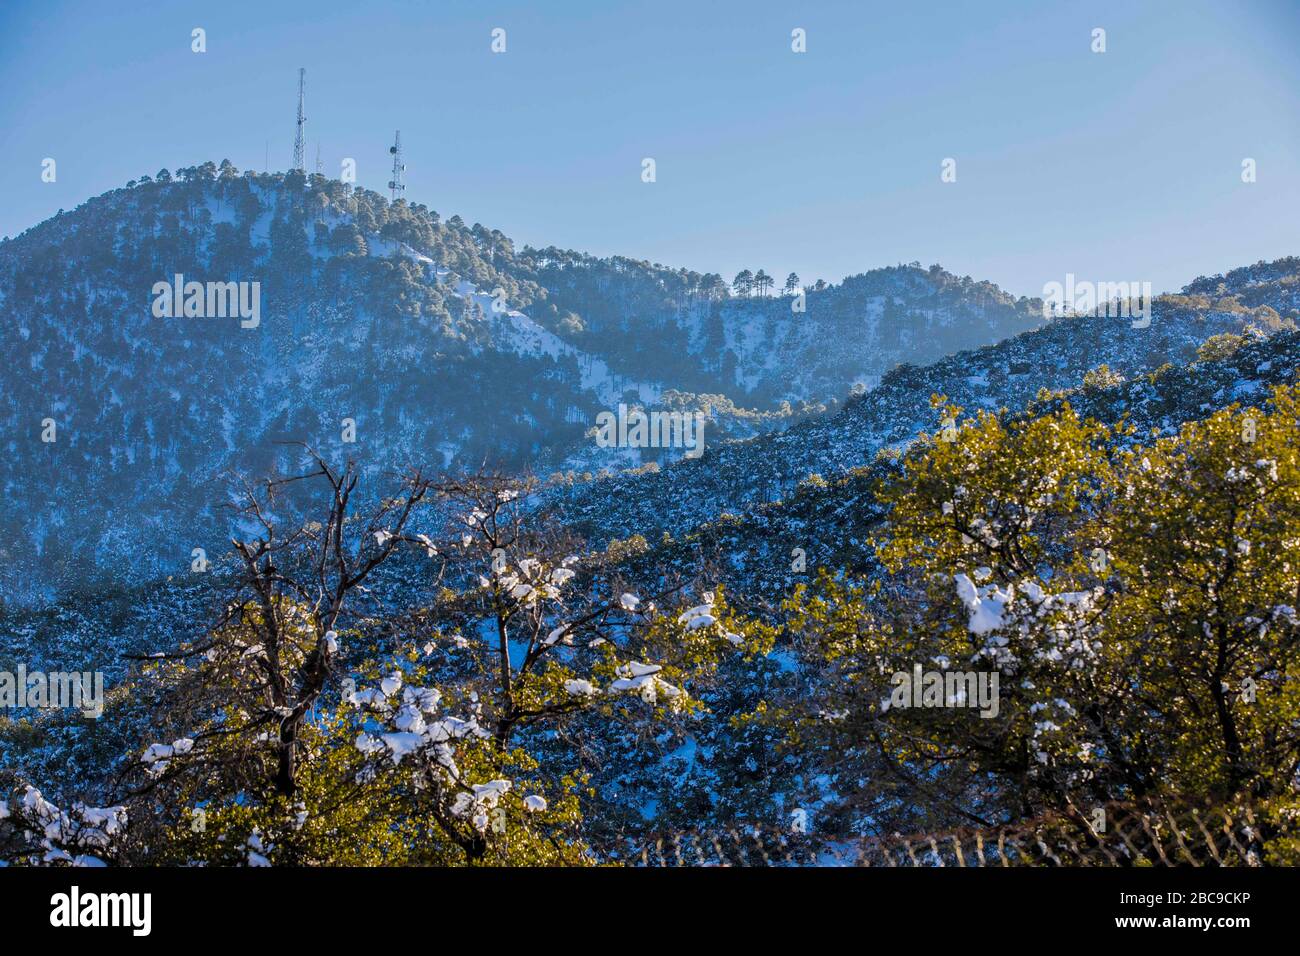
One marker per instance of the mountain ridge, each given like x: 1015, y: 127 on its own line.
x: 436, y: 340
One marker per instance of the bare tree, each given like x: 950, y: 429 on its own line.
x: 276, y: 638
x: 297, y: 661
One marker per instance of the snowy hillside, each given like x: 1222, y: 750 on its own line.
x: 384, y: 334
x: 741, y: 476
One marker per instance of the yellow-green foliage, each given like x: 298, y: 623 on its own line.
x: 354, y: 808
x: 1148, y: 641
x: 356, y: 805
x: 1218, y: 347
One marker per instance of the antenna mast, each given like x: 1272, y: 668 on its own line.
x: 395, y: 184
x: 299, y: 141
x: 319, y: 167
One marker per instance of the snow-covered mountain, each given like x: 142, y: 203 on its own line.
x: 697, y: 519
x: 386, y: 334
x: 444, y: 346
x: 740, y: 477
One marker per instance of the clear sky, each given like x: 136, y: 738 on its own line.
x: 1117, y: 166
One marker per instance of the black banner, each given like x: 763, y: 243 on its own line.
x: 217, y: 906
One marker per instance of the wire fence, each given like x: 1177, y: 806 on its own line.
x: 1121, y: 834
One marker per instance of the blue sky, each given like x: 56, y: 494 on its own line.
x: 1116, y: 166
